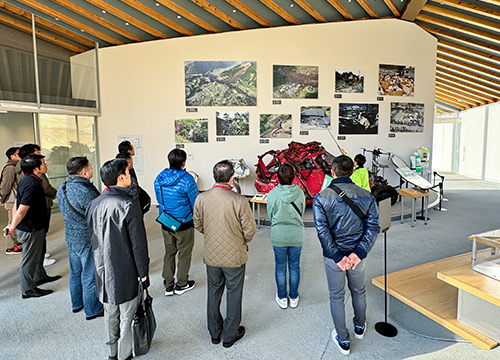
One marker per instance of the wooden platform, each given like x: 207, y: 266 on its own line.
x: 420, y: 288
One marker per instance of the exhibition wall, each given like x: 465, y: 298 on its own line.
x: 143, y: 91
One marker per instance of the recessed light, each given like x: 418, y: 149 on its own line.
x: 82, y: 30
x: 104, y: 11
x: 157, y: 4
x: 179, y: 17
x: 234, y: 10
x: 127, y: 24
x: 56, y: 19
x: 291, y: 5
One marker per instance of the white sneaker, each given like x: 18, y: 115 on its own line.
x: 359, y: 331
x: 283, y: 303
x: 47, y: 255
x: 294, y: 302
x: 48, y: 262
x: 343, y: 346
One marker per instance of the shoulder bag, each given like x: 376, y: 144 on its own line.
x: 143, y: 323
x: 348, y: 201
x: 165, y: 218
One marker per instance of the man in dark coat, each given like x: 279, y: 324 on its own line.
x: 120, y: 253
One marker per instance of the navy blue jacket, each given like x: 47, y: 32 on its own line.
x: 179, y: 193
x: 340, y: 231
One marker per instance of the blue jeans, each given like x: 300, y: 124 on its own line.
x: 282, y: 256
x: 356, y: 280
x: 82, y: 280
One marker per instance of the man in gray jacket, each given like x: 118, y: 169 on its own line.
x: 120, y: 253
x: 225, y: 219
x: 8, y: 193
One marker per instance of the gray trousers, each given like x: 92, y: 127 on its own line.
x: 181, y: 244
x: 32, y: 269
x: 336, y: 285
x: 217, y: 279
x: 10, y: 240
x: 118, y: 324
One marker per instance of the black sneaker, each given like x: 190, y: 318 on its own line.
x: 359, y: 331
x: 179, y: 290
x: 16, y: 250
x: 343, y: 346
x: 169, y: 291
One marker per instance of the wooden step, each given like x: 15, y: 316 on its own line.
x: 419, y: 288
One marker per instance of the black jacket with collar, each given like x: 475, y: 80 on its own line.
x: 119, y: 244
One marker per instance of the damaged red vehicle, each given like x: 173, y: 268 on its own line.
x: 310, y: 161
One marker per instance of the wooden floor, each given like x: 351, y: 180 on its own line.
x: 420, y: 288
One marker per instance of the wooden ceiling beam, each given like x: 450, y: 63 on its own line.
x: 49, y: 25
x: 473, y: 8
x: 459, y: 90
x: 341, y: 9
x: 250, y: 13
x: 310, y: 10
x: 481, y: 46
x: 473, y: 59
x: 468, y: 19
x: 97, y: 19
x: 491, y: 84
x: 478, y: 90
x: 492, y: 2
x: 467, y: 81
x: 187, y: 15
x: 282, y: 13
x: 467, y: 66
x: 395, y: 11
x: 459, y: 97
x: 412, y: 9
x: 158, y: 17
x: 465, y: 49
x: 443, y: 105
x: 368, y: 8
x: 464, y: 89
x: 216, y: 12
x: 459, y: 28
x: 127, y: 18
x: 69, y: 20
x: 449, y: 100
x: 40, y: 34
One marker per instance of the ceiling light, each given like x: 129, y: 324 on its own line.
x: 157, y: 4
x: 127, y: 24
x: 104, y: 11
x: 178, y: 16
x: 56, y: 19
x: 234, y: 10
x: 291, y: 5
x: 82, y: 30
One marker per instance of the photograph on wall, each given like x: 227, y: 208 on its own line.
x: 349, y: 81
x: 191, y: 130
x: 407, y: 117
x: 396, y: 80
x: 275, y: 125
x: 358, y: 119
x: 295, y: 82
x: 315, y: 117
x: 220, y: 83
x: 232, y: 123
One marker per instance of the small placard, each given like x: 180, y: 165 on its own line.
x: 276, y: 102
x: 191, y: 110
x: 304, y: 132
x: 380, y: 98
x: 220, y: 139
x: 179, y: 146
x: 264, y: 141
x: 337, y: 96
x: 340, y: 137
x: 392, y: 135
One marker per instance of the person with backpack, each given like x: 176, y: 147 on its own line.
x: 8, y: 193
x: 286, y: 204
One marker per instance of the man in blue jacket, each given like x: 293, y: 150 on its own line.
x: 346, y: 240
x: 74, y: 197
x: 176, y: 192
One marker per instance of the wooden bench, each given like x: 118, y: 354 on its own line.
x: 414, y: 194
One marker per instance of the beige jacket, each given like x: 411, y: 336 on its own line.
x: 227, y: 222
x: 9, y: 183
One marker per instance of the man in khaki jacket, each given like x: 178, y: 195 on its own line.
x: 225, y: 219
x: 8, y: 193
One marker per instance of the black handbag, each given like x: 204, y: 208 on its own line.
x: 144, y: 323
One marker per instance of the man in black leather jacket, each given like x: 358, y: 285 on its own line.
x: 346, y: 240
x: 120, y: 252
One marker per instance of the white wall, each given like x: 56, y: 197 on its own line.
x: 492, y: 170
x: 442, y: 146
x: 142, y: 89
x: 472, y: 142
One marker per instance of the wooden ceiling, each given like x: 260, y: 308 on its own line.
x: 468, y: 32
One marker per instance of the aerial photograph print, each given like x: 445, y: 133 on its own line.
x: 220, y: 83
x: 275, y: 125
x: 295, y: 82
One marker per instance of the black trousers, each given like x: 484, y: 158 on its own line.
x: 217, y: 279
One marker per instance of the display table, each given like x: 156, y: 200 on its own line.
x: 414, y: 194
x: 491, y: 265
x: 259, y: 198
